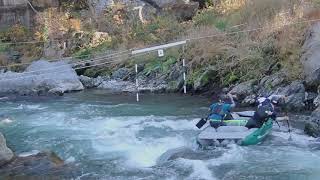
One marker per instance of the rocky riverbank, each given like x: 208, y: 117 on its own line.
x: 38, y: 165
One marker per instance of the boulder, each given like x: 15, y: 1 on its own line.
x: 41, y: 77
x: 183, y: 10
x: 5, y: 153
x: 206, y: 78
x: 89, y: 82
x: 42, y: 165
x: 312, y: 127
x: 243, y: 89
x: 310, y: 56
x: 44, y: 3
x: 295, y: 93
x: 120, y: 74
x: 270, y: 83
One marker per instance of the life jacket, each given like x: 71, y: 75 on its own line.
x: 264, y: 107
x: 219, y: 110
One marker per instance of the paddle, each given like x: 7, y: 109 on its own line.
x: 289, y: 129
x: 286, y: 118
x: 202, y: 122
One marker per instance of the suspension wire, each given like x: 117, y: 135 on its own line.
x: 189, y: 39
x: 77, y: 68
x: 71, y: 58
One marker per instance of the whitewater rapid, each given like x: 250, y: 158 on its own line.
x: 113, y: 137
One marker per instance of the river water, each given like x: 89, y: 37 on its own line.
x: 110, y: 136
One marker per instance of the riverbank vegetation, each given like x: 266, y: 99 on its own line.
x: 252, y: 38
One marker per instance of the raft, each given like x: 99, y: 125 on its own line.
x: 234, y: 132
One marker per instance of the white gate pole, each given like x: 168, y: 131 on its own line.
x: 184, y: 72
x: 137, y: 82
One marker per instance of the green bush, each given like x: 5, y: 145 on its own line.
x: 210, y: 18
x: 3, y: 47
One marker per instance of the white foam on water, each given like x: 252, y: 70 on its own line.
x: 70, y: 159
x: 26, y: 154
x: 6, y: 121
x: 297, y: 136
x: 121, y: 135
x: 30, y: 107
x: 201, y: 168
x: 173, y: 124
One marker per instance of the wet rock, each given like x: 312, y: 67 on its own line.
x: 249, y: 100
x: 312, y: 129
x: 310, y: 56
x: 41, y: 77
x: 203, y: 82
x: 120, y: 74
x: 5, y: 153
x: 43, y: 165
x: 118, y: 86
x: 90, y: 82
x: 243, y: 90
x: 309, y: 101
x: 295, y: 93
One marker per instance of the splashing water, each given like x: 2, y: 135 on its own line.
x: 110, y: 136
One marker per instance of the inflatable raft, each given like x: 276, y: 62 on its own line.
x: 234, y: 132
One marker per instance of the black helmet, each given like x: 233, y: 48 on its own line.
x: 224, y: 98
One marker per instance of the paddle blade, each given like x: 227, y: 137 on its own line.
x: 201, y: 123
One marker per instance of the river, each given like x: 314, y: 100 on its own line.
x: 110, y: 136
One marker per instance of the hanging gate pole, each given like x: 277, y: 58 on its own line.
x: 184, y: 71
x: 137, y: 82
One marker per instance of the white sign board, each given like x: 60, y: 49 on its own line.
x: 160, y: 53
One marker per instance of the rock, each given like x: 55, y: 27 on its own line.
x: 269, y: 83
x: 43, y: 164
x: 310, y: 100
x: 249, y: 100
x: 120, y: 74
x: 53, y: 50
x: 175, y: 79
x: 5, y: 153
x: 99, y: 38
x: 312, y: 129
x: 183, y: 10
x: 118, y: 86
x: 310, y: 56
x: 202, y: 83
x: 45, y: 3
x: 243, y: 89
x: 14, y: 56
x: 41, y: 77
x: 90, y: 82
x: 295, y: 93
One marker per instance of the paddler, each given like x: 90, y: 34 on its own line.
x: 221, y: 110
x: 265, y: 110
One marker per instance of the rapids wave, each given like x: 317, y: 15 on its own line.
x: 113, y: 137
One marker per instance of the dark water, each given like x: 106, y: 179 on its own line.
x: 110, y: 136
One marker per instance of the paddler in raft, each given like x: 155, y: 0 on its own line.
x: 221, y: 110
x: 265, y: 110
